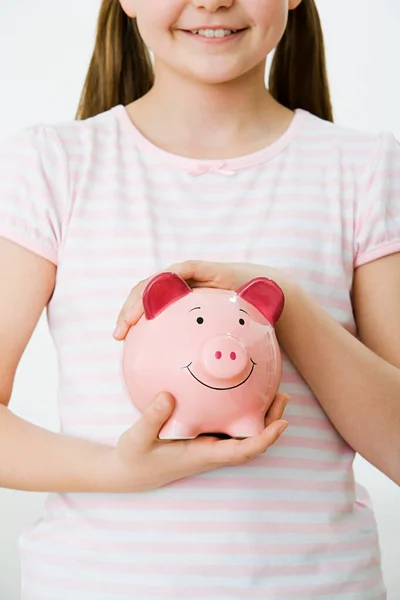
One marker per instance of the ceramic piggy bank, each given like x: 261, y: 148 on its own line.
x: 214, y: 350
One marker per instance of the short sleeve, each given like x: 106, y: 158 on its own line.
x: 377, y: 227
x: 34, y: 190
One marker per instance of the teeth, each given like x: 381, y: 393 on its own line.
x: 217, y: 33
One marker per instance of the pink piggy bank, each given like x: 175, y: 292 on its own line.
x: 214, y: 350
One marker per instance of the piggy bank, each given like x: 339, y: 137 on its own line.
x: 214, y: 350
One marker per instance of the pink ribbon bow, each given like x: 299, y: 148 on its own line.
x: 218, y: 168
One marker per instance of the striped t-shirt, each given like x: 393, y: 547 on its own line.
x: 109, y: 209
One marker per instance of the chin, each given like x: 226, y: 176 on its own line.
x: 215, y: 77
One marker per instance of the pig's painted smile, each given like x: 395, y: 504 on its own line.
x: 222, y: 388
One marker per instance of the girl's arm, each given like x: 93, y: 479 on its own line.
x: 37, y: 460
x: 357, y: 382
x: 32, y: 458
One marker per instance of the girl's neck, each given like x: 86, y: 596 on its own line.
x: 206, y: 121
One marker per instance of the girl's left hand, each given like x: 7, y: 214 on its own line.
x: 228, y: 276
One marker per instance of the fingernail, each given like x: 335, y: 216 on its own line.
x: 282, y: 428
x: 163, y: 402
x: 118, y: 331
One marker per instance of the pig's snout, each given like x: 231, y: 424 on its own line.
x: 224, y: 357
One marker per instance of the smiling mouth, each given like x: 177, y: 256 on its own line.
x: 221, y: 388
x: 213, y: 35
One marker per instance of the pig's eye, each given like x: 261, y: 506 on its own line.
x: 241, y: 321
x: 200, y: 320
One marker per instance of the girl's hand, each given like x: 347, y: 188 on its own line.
x: 142, y: 462
x: 228, y: 276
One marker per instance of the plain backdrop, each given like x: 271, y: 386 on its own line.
x: 45, y: 47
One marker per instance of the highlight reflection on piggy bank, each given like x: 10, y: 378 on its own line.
x: 214, y: 350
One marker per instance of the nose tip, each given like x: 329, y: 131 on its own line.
x: 224, y: 357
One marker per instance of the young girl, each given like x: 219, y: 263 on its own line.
x: 204, y: 171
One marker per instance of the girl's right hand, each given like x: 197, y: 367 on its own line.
x: 141, y: 461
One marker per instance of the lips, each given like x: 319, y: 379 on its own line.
x: 213, y: 38
x: 212, y: 28
x: 213, y: 32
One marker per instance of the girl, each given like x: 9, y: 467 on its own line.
x: 201, y: 161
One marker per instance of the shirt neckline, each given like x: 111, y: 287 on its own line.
x: 227, y: 166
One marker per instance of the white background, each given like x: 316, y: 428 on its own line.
x: 45, y: 47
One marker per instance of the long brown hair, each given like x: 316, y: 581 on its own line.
x: 121, y: 71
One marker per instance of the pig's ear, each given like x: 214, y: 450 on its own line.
x: 265, y: 295
x: 161, y: 291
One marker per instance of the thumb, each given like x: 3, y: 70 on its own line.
x: 145, y: 431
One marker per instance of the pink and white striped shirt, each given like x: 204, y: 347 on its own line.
x: 109, y: 208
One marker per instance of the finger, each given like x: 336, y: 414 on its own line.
x: 197, y: 272
x: 234, y: 452
x: 208, y: 274
x: 277, y: 408
x: 189, y: 269
x: 131, y: 311
x: 144, y: 432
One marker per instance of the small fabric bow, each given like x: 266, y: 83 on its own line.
x: 218, y: 168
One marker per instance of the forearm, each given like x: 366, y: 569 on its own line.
x: 359, y: 391
x: 35, y: 459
